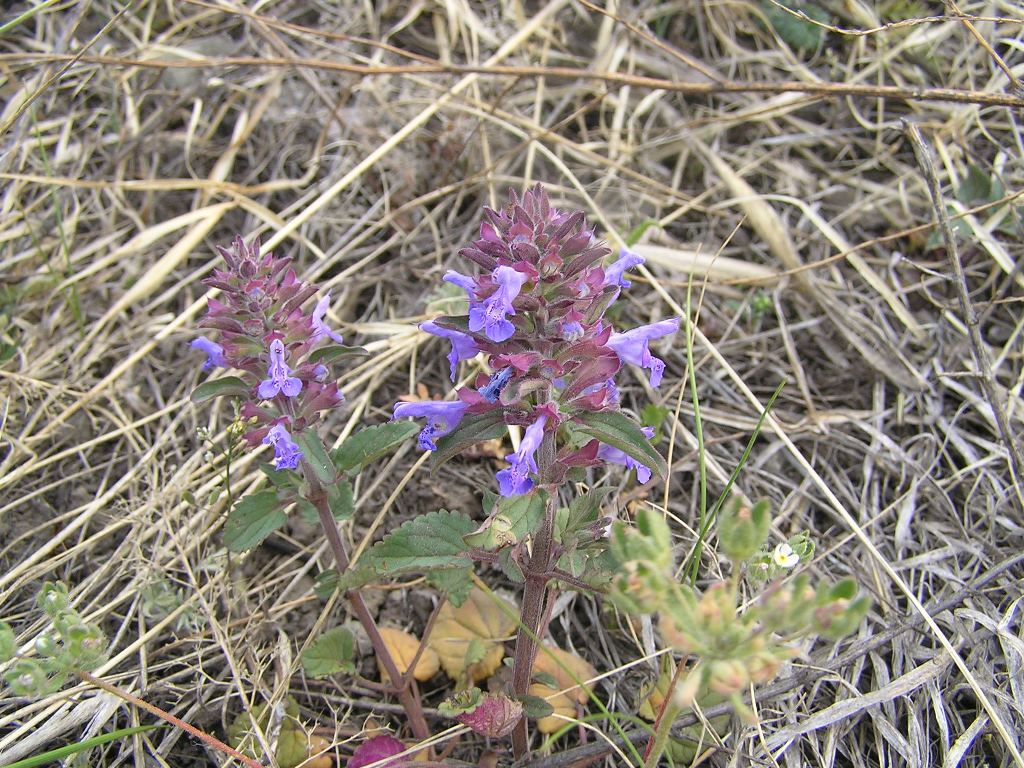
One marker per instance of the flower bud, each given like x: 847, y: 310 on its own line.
x: 28, y: 678
x: 8, y: 643
x: 742, y: 530
x: 727, y: 677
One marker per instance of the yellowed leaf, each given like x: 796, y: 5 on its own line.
x: 566, y: 668
x: 477, y: 628
x: 402, y: 646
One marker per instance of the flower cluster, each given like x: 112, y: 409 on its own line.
x: 263, y: 332
x: 537, y: 310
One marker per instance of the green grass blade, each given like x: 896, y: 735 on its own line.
x: 55, y: 755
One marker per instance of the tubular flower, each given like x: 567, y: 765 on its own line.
x: 490, y: 314
x: 492, y: 390
x: 463, y: 345
x: 279, y: 375
x: 613, y: 274
x: 633, y: 346
x: 515, y: 480
x: 320, y: 329
x: 442, y: 417
x: 214, y: 353
x: 286, y: 452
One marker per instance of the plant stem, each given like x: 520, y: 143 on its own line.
x: 167, y: 716
x: 537, y: 572
x: 318, y: 498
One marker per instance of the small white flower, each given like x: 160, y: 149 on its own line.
x: 784, y: 556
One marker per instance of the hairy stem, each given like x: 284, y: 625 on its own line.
x: 537, y: 572
x: 413, y: 709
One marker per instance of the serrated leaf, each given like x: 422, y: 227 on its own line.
x: 425, y: 543
x: 277, y: 478
x: 471, y: 430
x: 453, y: 583
x: 330, y: 653
x: 513, y: 518
x: 252, y: 519
x: 585, y: 509
x: 619, y: 431
x: 372, y: 443
x: 325, y: 583
x: 341, y: 500
x: 226, y: 386
x: 333, y: 352
x: 315, y: 455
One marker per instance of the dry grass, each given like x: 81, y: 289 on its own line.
x: 137, y: 136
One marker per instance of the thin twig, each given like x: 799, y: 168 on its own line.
x: 978, y: 349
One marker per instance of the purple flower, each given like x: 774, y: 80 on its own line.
x: 489, y: 315
x: 463, y: 281
x: 572, y: 330
x: 627, y: 260
x: 443, y: 418
x: 320, y: 329
x: 279, y: 378
x: 214, y: 353
x: 615, y: 456
x: 515, y: 480
x: 632, y: 346
x: 286, y: 453
x: 463, y: 345
x: 492, y: 389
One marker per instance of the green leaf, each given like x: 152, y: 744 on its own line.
x: 315, y: 455
x: 330, y: 653
x: 794, y: 31
x: 8, y: 644
x: 619, y: 431
x: 513, y: 518
x: 372, y: 443
x: 534, y: 707
x: 584, y: 510
x: 325, y: 583
x: 652, y: 415
x: 333, y: 352
x: 341, y: 499
x: 425, y: 543
x: 471, y: 430
x: 253, y: 518
x: 226, y: 386
x: 638, y: 231
x: 976, y: 187
x: 453, y: 583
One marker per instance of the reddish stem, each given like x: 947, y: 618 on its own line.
x: 318, y: 498
x: 167, y: 716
